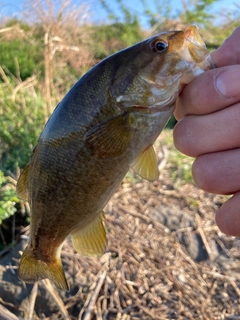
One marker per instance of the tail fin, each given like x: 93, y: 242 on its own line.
x: 32, y: 269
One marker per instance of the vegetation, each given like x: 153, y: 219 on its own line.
x: 8, y: 197
x: 43, y: 54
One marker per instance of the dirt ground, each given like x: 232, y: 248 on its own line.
x: 166, y: 259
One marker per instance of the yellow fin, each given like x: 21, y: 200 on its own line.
x: 110, y: 138
x: 91, y: 240
x: 22, y: 190
x: 146, y: 164
x: 32, y: 269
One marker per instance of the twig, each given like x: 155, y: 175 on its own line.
x: 26, y: 84
x: 32, y: 300
x: 135, y: 214
x: 233, y: 283
x: 209, y: 296
x: 5, y: 79
x: 7, y: 303
x: 219, y: 275
x: 186, y: 257
x: 164, y: 160
x: 204, y: 239
x: 56, y: 298
x: 2, y: 237
x: 148, y: 312
x: 5, y: 314
x: 93, y: 299
x: 13, y: 227
x: 84, y: 307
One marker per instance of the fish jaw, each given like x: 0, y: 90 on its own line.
x: 197, y: 48
x: 195, y: 51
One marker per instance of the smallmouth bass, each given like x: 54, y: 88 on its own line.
x: 105, y: 125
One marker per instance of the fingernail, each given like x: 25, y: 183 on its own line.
x: 227, y: 82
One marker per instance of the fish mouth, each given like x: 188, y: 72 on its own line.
x: 192, y: 35
x: 197, y: 49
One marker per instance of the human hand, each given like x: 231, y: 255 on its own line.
x: 208, y: 111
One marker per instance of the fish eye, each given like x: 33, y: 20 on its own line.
x: 159, y: 46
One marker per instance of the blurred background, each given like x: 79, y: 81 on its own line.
x: 45, y: 47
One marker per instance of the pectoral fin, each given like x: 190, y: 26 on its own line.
x: 110, y: 138
x: 91, y: 240
x: 22, y: 190
x: 146, y: 164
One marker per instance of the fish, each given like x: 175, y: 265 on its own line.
x: 105, y: 125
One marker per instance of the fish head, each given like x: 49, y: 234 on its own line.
x: 159, y: 67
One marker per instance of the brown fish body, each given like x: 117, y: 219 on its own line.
x: 106, y: 124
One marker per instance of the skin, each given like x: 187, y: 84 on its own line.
x: 208, y: 111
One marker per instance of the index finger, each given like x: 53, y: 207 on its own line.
x: 229, y: 52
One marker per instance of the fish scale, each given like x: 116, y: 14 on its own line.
x: 105, y: 125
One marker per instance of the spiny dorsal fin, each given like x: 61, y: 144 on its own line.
x: 110, y: 138
x: 91, y: 240
x: 146, y: 164
x: 22, y: 188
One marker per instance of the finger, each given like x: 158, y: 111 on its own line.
x: 228, y: 216
x: 218, y: 172
x: 197, y: 135
x: 211, y: 91
x: 229, y: 52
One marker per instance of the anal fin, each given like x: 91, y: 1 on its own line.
x: 146, y: 164
x: 91, y: 240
